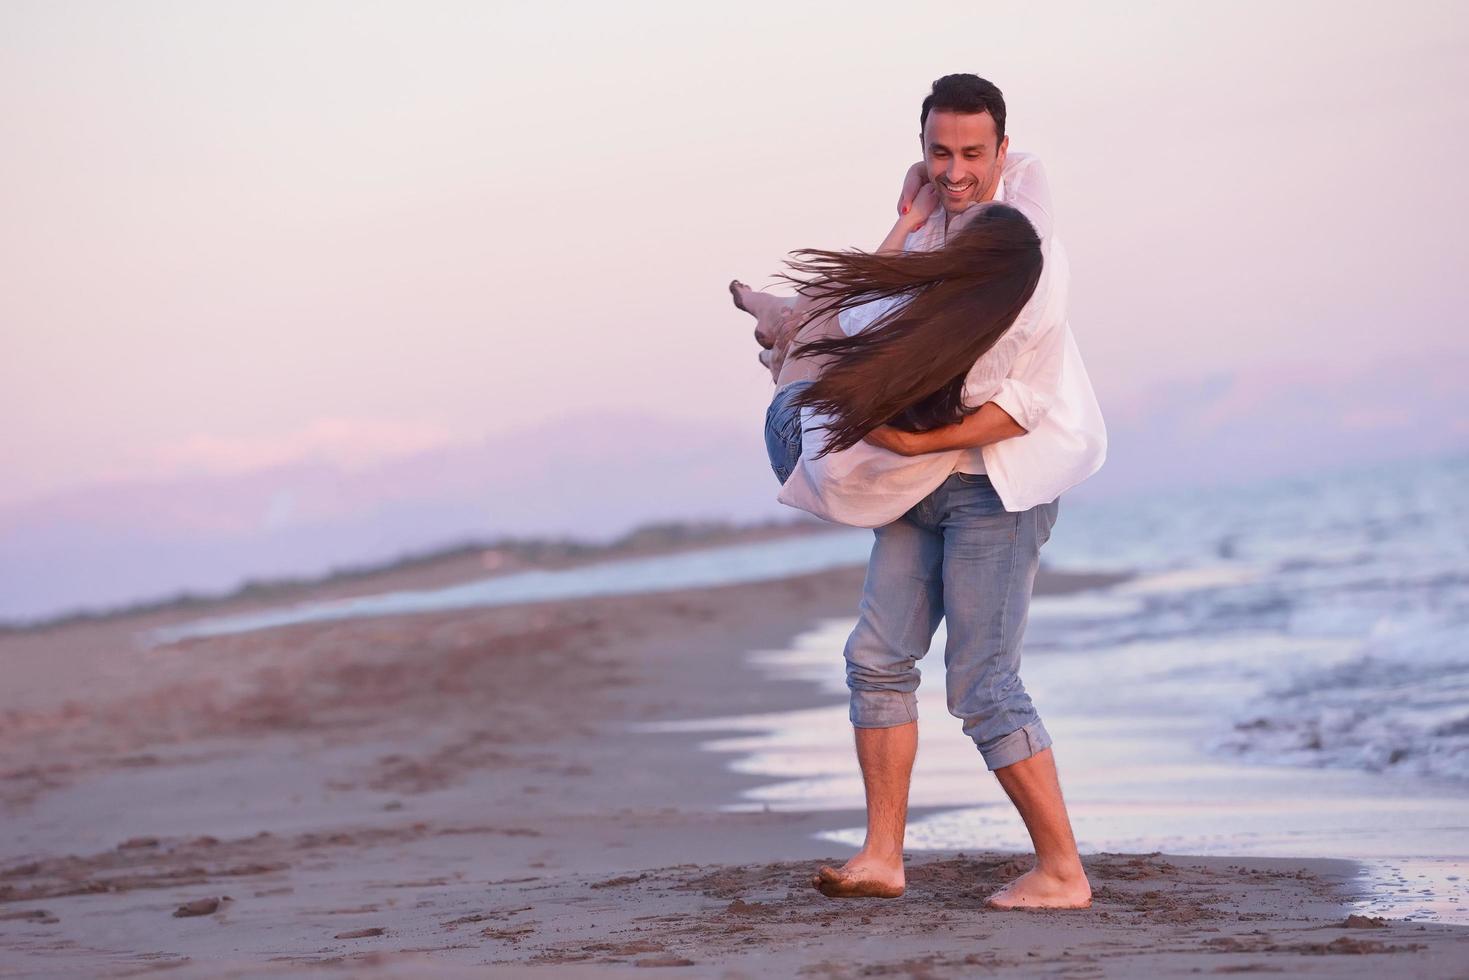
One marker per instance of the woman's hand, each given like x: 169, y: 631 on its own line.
x: 907, y: 224
x: 923, y: 204
x: 913, y: 180
x: 893, y: 440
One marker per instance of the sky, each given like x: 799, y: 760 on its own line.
x: 245, y: 236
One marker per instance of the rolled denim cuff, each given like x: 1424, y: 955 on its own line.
x: 882, y: 709
x: 1018, y: 746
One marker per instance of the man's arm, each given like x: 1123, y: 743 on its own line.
x: 990, y: 424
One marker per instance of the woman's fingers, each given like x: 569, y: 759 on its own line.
x: 924, y: 201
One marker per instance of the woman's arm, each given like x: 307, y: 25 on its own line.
x: 911, y: 220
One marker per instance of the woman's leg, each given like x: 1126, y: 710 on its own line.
x: 791, y: 332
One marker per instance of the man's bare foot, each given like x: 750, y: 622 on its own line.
x: 859, y: 878
x: 1035, y: 890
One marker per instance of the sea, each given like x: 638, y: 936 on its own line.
x: 1321, y: 622
x: 1286, y: 673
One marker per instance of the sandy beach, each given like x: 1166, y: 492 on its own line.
x: 466, y: 793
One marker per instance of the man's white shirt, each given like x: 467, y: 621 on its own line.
x: 1034, y: 372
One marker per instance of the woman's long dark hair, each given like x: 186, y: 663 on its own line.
x: 908, y: 369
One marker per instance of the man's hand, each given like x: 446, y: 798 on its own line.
x: 893, y: 440
x: 989, y: 424
x: 913, y: 181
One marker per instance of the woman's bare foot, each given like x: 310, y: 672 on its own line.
x: 773, y: 324
x: 767, y: 309
x: 1038, y: 890
x: 739, y: 291
x: 860, y: 878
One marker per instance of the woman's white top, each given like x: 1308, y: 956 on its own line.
x: 1034, y: 372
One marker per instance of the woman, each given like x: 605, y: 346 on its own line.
x: 888, y: 339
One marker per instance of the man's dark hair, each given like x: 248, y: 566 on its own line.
x: 965, y: 93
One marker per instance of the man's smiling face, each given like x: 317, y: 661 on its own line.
x: 964, y: 157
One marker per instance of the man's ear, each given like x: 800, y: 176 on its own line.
x: 1000, y: 155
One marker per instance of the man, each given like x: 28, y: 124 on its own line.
x: 959, y: 515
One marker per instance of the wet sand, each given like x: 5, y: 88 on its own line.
x: 463, y: 794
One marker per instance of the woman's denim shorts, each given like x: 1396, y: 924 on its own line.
x: 783, y: 430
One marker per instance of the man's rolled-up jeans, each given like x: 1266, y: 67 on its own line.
x: 957, y: 555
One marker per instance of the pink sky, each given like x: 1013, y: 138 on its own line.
x: 243, y: 235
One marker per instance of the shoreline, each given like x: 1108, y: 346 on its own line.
x: 467, y: 783
x: 449, y: 565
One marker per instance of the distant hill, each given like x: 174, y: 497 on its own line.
x: 592, y: 480
x: 475, y: 558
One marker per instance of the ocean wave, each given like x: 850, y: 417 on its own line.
x: 1374, y: 561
